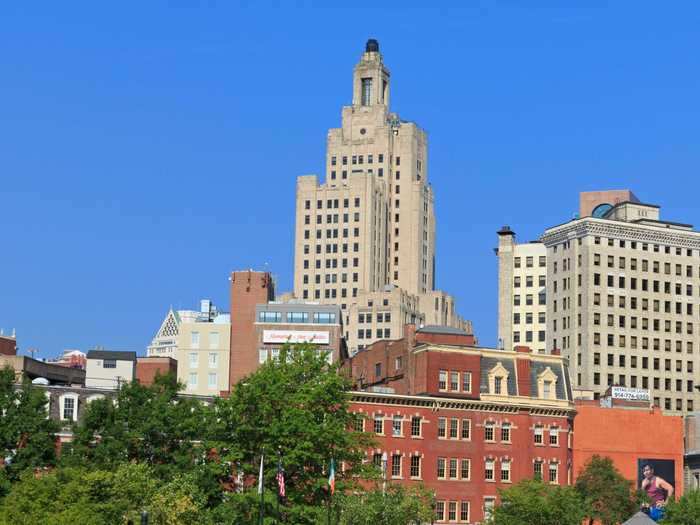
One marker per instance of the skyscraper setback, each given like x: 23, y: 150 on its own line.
x: 370, y: 227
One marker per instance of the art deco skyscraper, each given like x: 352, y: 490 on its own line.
x: 372, y: 222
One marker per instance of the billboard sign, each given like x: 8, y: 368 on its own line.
x: 630, y: 394
x: 296, y: 336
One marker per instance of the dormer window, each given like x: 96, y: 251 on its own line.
x: 498, y: 380
x: 547, y: 384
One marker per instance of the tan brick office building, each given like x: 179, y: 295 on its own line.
x: 369, y: 227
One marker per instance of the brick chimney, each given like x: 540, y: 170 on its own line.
x: 522, y: 363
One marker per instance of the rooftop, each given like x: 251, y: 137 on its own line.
x: 111, y: 354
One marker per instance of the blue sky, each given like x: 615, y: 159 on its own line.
x: 149, y: 148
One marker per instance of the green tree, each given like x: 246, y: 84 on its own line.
x: 685, y: 511
x: 27, y: 436
x: 537, y: 503
x: 297, y: 405
x: 398, y: 506
x: 145, y: 424
x: 608, y: 497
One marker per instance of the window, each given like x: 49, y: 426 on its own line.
x: 489, y: 504
x: 214, y: 340
x: 193, y: 380
x: 539, y: 435
x: 489, y: 431
x: 452, y: 511
x: 442, y: 427
x: 359, y: 423
x: 213, y: 359
x: 505, y: 432
x: 415, y: 466
x: 396, y: 465
x: 505, y: 470
x: 454, y: 380
x: 553, y: 472
x: 109, y: 363
x: 194, y: 360
x: 270, y: 317
x: 379, y: 424
x: 439, y: 510
x: 298, y: 317
x: 466, y: 429
x: 442, y: 380
x: 396, y: 425
x: 212, y: 380
x: 366, y: 91
x: 453, y: 468
x: 194, y: 340
x: 262, y: 355
x: 554, y: 436
x: 465, y: 469
x: 454, y: 423
x: 69, y: 407
x: 441, y: 467
x: 415, y: 426
x: 466, y: 381
x: 489, y: 470
x: 537, y: 469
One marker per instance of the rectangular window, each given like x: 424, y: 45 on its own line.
x: 452, y: 511
x: 554, y: 436
x: 440, y: 467
x: 505, y: 432
x: 537, y: 469
x: 212, y: 380
x: 68, y: 408
x: 453, y: 468
x: 440, y: 511
x: 270, y: 317
x: 366, y: 91
x: 194, y: 360
x: 109, y: 363
x: 464, y: 511
x: 553, y: 472
x: 378, y: 424
x: 466, y: 381
x: 193, y: 380
x: 214, y: 340
x: 489, y: 470
x: 454, y: 423
x: 396, y: 465
x: 488, y: 432
x: 539, y: 435
x: 465, y: 469
x: 194, y: 340
x: 415, y: 426
x: 505, y: 470
x: 213, y: 360
x: 442, y: 380
x: 415, y: 466
x: 466, y: 429
x: 396, y: 426
x: 442, y: 427
x: 454, y: 380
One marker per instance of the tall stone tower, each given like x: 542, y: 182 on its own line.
x: 373, y: 218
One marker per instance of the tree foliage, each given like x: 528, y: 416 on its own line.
x: 537, y: 503
x: 398, y: 506
x: 608, y: 497
x: 145, y: 424
x: 685, y: 511
x: 296, y: 406
x: 27, y: 436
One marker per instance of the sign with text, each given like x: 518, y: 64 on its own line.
x: 630, y: 394
x: 295, y: 336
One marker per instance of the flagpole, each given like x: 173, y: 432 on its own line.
x: 261, y: 489
x: 279, y: 466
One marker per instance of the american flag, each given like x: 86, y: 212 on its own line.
x: 280, y: 478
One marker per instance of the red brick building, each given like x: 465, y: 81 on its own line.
x: 8, y: 345
x: 261, y: 326
x: 148, y: 367
x: 464, y: 421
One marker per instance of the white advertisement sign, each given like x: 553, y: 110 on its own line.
x: 630, y: 394
x: 294, y: 336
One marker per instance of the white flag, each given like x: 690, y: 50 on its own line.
x: 260, y: 477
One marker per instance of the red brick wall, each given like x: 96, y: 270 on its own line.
x: 626, y: 435
x: 8, y: 346
x: 520, y: 450
x: 452, y: 361
x: 148, y: 367
x: 248, y: 288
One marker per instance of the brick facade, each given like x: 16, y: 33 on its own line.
x: 148, y: 367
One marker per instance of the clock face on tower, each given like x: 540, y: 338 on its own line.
x: 601, y: 210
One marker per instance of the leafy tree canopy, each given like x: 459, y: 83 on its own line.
x: 27, y: 436
x: 608, y: 497
x: 537, y: 503
x: 685, y: 511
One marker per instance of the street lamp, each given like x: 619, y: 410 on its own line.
x: 384, y: 464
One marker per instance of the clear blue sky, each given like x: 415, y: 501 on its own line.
x: 149, y: 148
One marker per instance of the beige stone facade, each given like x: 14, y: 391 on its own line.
x: 624, y: 300
x: 203, y: 356
x: 371, y: 223
x: 522, y: 297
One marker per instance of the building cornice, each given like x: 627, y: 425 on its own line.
x: 511, y: 406
x: 621, y: 230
